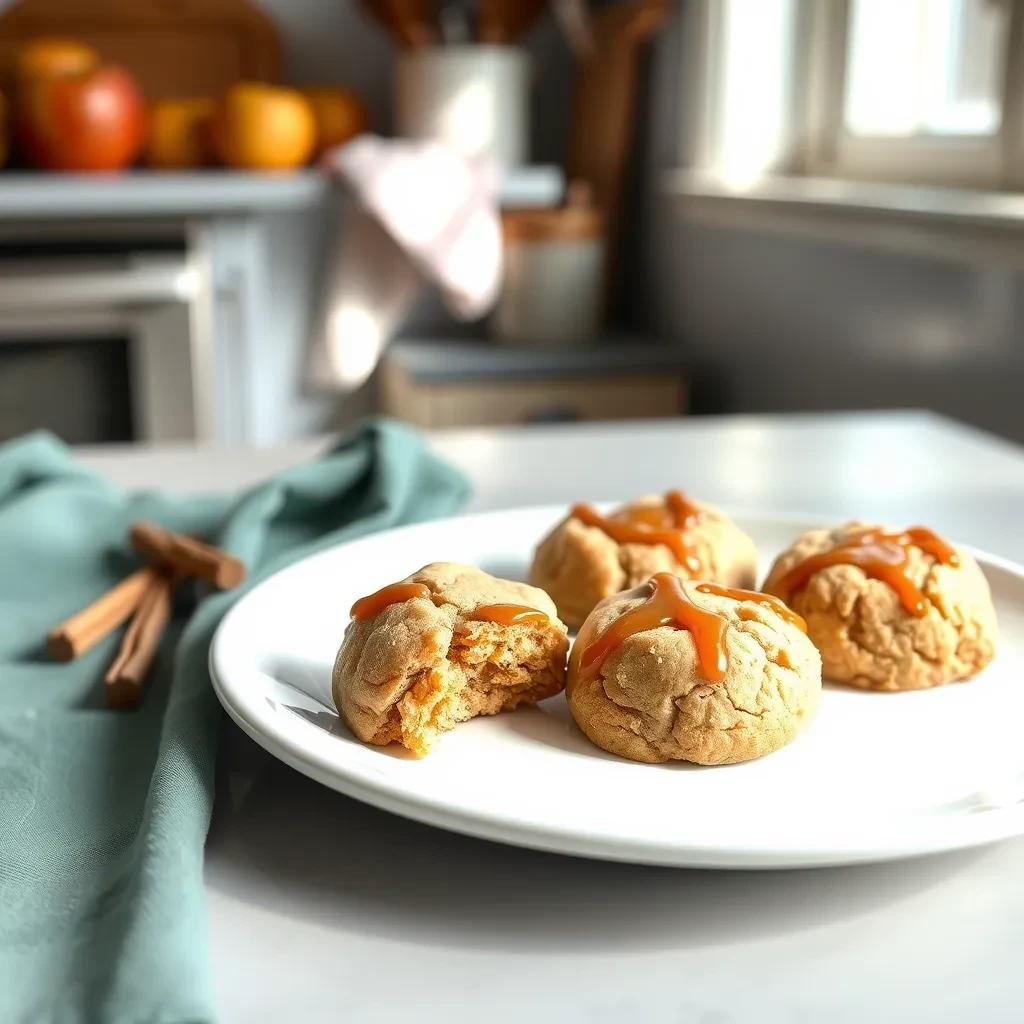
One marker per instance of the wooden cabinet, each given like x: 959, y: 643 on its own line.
x: 459, y: 384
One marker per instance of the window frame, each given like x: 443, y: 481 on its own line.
x: 969, y: 161
x: 815, y: 142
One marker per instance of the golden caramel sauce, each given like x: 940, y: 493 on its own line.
x: 784, y: 613
x: 508, y: 614
x: 503, y: 614
x: 666, y: 524
x: 668, y: 605
x: 879, y: 555
x: 373, y: 604
x: 684, y: 512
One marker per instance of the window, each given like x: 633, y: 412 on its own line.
x: 893, y: 90
x: 748, y: 111
x: 924, y: 67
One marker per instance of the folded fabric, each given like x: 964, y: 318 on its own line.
x: 103, y: 814
x: 440, y: 207
x: 421, y: 212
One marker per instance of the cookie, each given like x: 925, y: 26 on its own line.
x: 889, y: 609
x: 446, y: 644
x: 731, y: 677
x: 588, y: 557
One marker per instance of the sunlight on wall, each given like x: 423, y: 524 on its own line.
x: 370, y: 285
x: 754, y: 91
x: 355, y: 337
x: 467, y: 119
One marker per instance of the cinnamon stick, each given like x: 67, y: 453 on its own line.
x: 124, y: 678
x: 77, y: 634
x: 187, y: 556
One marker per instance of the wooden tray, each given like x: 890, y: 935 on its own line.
x: 173, y: 47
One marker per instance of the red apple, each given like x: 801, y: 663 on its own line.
x: 94, y: 120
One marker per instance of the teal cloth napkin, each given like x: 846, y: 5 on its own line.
x: 103, y: 814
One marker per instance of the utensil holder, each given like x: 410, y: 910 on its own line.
x: 473, y: 97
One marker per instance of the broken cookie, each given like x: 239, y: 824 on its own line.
x: 446, y: 644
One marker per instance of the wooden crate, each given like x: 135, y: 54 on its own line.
x: 441, y: 384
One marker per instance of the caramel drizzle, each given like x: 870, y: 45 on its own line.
x: 503, y: 614
x: 783, y: 612
x: 668, y: 605
x: 373, y: 604
x: 649, y: 525
x: 879, y: 555
x: 508, y: 614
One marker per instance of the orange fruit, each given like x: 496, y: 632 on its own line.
x: 179, y: 135
x: 339, y: 113
x: 51, y: 55
x: 263, y: 128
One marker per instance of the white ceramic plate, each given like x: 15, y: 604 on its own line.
x: 875, y: 776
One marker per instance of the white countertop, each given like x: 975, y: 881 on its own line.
x: 36, y: 195
x: 325, y: 909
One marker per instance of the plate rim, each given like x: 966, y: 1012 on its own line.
x: 990, y: 826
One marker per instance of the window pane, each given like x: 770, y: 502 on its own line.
x: 925, y: 67
x: 755, y: 88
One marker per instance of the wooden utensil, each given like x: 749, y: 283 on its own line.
x: 604, y: 106
x: 418, y: 19
x: 573, y: 17
x: 413, y: 23
x: 458, y: 20
x: 503, y: 22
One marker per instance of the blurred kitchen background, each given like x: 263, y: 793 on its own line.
x: 566, y: 210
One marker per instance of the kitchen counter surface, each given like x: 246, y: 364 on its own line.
x: 323, y: 909
x: 139, y: 193
x: 30, y: 195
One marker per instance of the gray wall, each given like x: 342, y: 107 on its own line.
x: 775, y: 323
